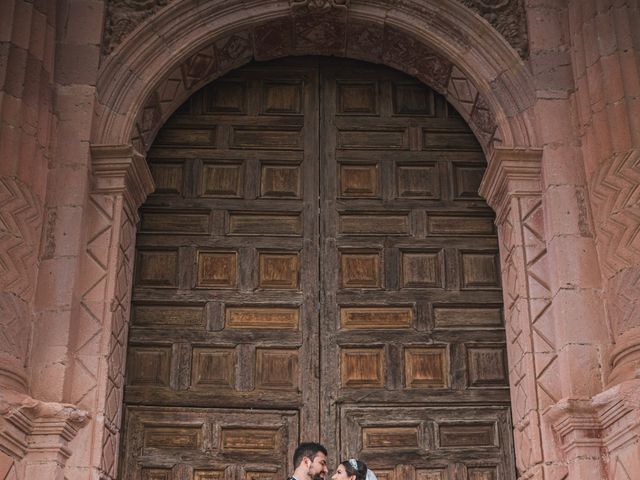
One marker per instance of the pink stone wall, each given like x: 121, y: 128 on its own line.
x: 561, y: 131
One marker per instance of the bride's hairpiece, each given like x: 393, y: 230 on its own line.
x: 354, y: 463
x: 370, y: 475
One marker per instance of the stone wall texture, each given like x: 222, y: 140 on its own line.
x: 550, y: 88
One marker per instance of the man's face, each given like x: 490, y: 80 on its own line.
x: 318, y: 467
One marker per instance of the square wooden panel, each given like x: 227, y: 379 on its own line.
x: 280, y: 180
x: 282, y: 98
x: 148, y: 365
x: 168, y: 177
x: 157, y: 268
x: 243, y: 439
x: 458, y: 435
x: 487, y: 366
x: 391, y: 437
x: 278, y: 270
x: 482, y: 473
x: 466, y: 180
x: 174, y: 437
x: 480, y: 269
x: 156, y: 474
x: 385, y: 474
x: 359, y: 180
x: 362, y: 367
x: 413, y: 99
x: 360, y: 269
x: 281, y: 318
x: 423, y: 269
x: 426, y: 367
x: 217, y: 269
x: 356, y: 98
x: 277, y: 368
x: 220, y: 180
x: 227, y: 97
x: 213, y: 367
x: 420, y: 181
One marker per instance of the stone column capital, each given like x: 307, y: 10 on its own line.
x: 121, y: 170
x: 511, y: 172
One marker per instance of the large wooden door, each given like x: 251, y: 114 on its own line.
x: 315, y: 264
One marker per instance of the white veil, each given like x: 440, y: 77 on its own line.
x: 370, y: 475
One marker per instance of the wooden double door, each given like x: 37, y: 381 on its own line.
x: 316, y: 264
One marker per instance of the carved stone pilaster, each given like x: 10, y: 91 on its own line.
x: 120, y: 183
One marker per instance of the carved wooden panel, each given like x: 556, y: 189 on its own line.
x: 413, y: 99
x: 394, y: 438
x: 208, y: 475
x: 213, y: 367
x: 149, y: 365
x: 354, y: 318
x: 176, y: 222
x: 282, y: 98
x: 357, y: 98
x: 249, y: 439
x: 196, y: 137
x: 454, y: 435
x: 467, y: 316
x: 487, y: 365
x: 459, y: 225
x: 426, y: 367
x: 184, y: 437
x: 417, y: 180
x: 280, y: 180
x: 466, y: 180
x: 480, y: 269
x: 482, y: 473
x: 168, y: 176
x: 359, y: 180
x: 422, y: 269
x: 217, y: 269
x: 360, y: 269
x: 284, y: 138
x: 157, y: 268
x: 228, y: 97
x: 262, y: 317
x: 362, y: 367
x: 243, y: 223
x: 167, y: 316
x: 222, y: 179
x: 156, y: 474
x: 368, y: 224
x: 278, y: 270
x: 277, y: 368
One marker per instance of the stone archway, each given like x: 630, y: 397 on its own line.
x: 444, y: 45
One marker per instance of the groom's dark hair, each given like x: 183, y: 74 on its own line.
x: 307, y: 449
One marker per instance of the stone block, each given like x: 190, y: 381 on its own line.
x: 565, y: 211
x: 574, y: 263
x: 56, y: 282
x: 60, y: 177
x: 83, y: 23
x: 77, y: 64
x: 554, y: 120
x: 562, y: 165
x: 581, y: 373
x: 21, y: 25
x: 580, y: 317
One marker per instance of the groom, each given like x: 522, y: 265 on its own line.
x: 310, y: 462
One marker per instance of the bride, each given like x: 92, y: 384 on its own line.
x: 353, y: 469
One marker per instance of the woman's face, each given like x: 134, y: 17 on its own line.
x: 341, y: 474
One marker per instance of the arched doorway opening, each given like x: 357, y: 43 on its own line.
x: 316, y: 263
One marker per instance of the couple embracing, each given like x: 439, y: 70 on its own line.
x: 310, y: 463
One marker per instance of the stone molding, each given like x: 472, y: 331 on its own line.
x: 444, y: 45
x: 120, y: 169
x: 511, y: 172
x: 508, y: 17
x: 604, y: 429
x: 37, y: 431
